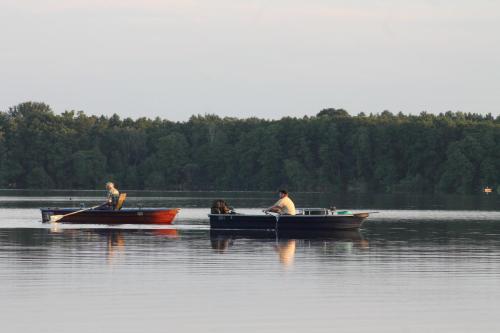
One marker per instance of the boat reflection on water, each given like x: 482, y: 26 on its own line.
x: 167, y: 233
x: 220, y: 245
x: 285, y: 244
x: 115, y: 238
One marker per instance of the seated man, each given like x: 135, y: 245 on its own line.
x: 283, y: 206
x: 111, y: 198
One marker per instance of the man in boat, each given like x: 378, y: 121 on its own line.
x: 111, y: 198
x: 283, y: 206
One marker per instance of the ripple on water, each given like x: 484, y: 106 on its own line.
x: 406, y: 270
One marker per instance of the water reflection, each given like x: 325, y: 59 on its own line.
x: 115, y: 239
x: 444, y: 270
x: 286, y: 251
x: 34, y: 246
x: 285, y: 244
x: 167, y: 233
x: 116, y: 243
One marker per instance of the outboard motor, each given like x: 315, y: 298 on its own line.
x: 220, y: 207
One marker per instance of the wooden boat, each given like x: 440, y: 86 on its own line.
x: 122, y: 216
x: 307, y: 219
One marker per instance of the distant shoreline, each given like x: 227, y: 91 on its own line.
x: 453, y: 152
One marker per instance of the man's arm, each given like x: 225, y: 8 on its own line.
x: 276, y: 208
x: 109, y: 198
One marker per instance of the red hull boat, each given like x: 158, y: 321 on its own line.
x: 122, y: 216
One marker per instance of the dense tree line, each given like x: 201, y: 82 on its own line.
x: 453, y: 152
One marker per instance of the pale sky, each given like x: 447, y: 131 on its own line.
x: 273, y: 58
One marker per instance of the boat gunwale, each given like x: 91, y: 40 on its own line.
x: 123, y: 210
x: 357, y: 215
x: 113, y: 217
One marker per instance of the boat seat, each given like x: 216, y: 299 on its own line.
x: 121, y: 200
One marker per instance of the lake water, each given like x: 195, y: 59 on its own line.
x: 421, y: 264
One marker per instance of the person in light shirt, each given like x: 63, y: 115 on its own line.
x: 283, y: 206
x: 111, y: 198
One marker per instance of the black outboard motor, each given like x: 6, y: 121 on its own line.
x: 220, y: 207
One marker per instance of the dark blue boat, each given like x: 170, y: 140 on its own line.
x: 307, y: 219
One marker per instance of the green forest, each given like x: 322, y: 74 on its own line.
x: 452, y: 152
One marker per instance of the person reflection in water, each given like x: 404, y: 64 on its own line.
x: 116, y: 243
x: 286, y: 251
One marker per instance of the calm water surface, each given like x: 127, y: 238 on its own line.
x: 431, y: 265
